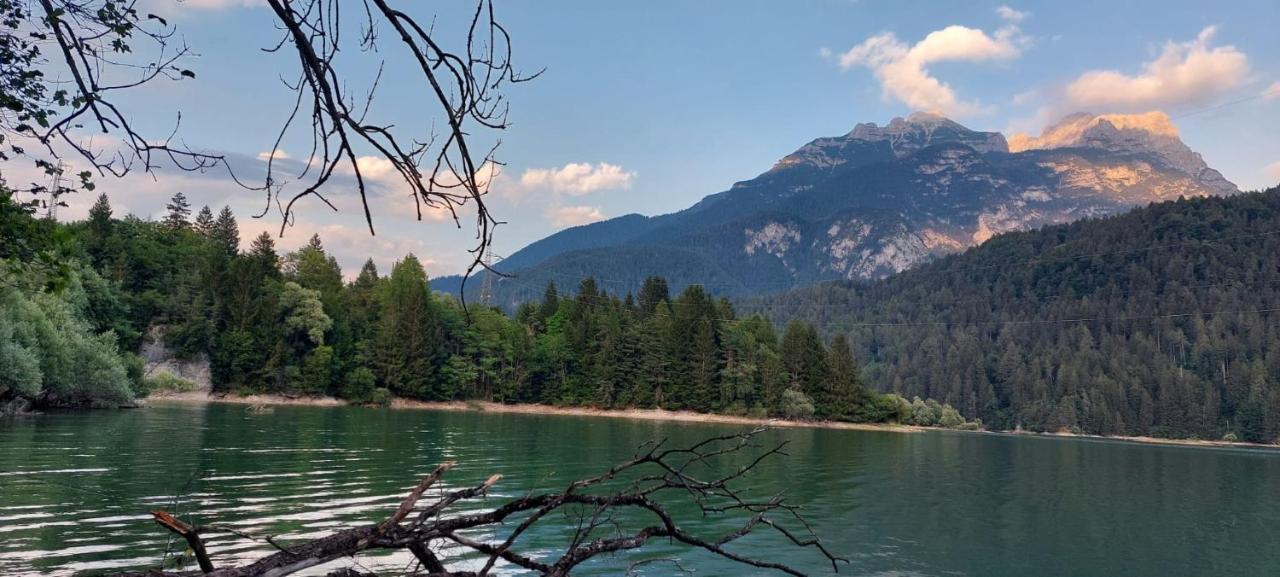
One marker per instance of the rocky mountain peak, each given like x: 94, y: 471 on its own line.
x: 1149, y: 133
x: 923, y: 129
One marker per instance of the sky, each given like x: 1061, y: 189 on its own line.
x: 646, y: 107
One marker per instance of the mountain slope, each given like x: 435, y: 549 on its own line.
x: 1163, y: 321
x: 877, y: 201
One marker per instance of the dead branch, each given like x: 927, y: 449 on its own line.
x: 188, y: 533
x: 619, y: 511
x: 67, y: 61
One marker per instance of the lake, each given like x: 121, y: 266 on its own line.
x: 76, y: 489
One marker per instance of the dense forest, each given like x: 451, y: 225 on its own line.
x: 290, y: 324
x: 1163, y: 321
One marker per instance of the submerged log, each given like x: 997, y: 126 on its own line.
x: 188, y: 533
x: 640, y: 486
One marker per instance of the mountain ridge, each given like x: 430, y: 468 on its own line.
x: 876, y: 201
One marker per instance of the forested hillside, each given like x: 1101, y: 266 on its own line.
x: 290, y: 324
x: 1163, y: 321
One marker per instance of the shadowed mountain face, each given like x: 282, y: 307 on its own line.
x: 871, y: 203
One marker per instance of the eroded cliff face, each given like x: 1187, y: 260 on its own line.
x: 158, y: 359
x: 1150, y: 134
x: 949, y: 188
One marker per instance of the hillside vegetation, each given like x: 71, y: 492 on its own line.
x: 292, y: 325
x: 1163, y: 321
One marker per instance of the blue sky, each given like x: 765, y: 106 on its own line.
x: 648, y: 106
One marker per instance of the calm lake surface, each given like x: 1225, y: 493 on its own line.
x: 76, y: 489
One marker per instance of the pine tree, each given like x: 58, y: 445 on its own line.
x: 653, y: 291
x: 204, y: 221
x: 263, y: 252
x: 844, y: 389
x: 805, y: 361
x: 224, y: 231
x: 364, y: 308
x: 694, y: 344
x: 100, y: 218
x: 410, y: 338
x: 179, y: 213
x: 550, y: 302
x: 100, y: 228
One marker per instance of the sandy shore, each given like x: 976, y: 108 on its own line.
x: 660, y: 415
x: 531, y: 409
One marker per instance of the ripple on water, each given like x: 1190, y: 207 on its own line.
x: 76, y: 490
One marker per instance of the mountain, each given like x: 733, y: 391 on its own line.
x: 874, y: 202
x: 1162, y: 321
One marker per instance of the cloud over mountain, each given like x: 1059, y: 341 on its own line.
x: 565, y: 216
x: 903, y: 70
x: 1184, y: 74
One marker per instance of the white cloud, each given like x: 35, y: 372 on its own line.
x: 1026, y: 97
x: 375, y: 168
x: 1273, y: 171
x: 1272, y: 91
x: 1186, y: 73
x: 221, y: 4
x: 1010, y: 15
x: 193, y: 8
x: 903, y: 70
x: 578, y: 178
x: 350, y: 244
x: 277, y: 154
x: 565, y: 216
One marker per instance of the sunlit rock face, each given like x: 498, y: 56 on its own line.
x: 881, y: 199
x: 924, y: 129
x: 1150, y: 134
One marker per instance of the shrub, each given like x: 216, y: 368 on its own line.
x: 136, y: 369
x: 880, y: 408
x: 796, y: 405
x: 950, y: 417
x: 380, y: 397
x: 168, y: 383
x: 359, y: 385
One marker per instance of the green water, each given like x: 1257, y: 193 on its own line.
x: 75, y: 490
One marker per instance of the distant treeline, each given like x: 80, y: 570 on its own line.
x: 289, y: 324
x: 1163, y: 321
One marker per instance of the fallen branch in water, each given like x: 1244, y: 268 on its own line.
x: 621, y: 510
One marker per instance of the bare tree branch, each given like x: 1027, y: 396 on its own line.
x: 106, y: 47
x: 624, y: 509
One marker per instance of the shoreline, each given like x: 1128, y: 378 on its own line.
x: 670, y: 416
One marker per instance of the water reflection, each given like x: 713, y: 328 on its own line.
x: 75, y: 490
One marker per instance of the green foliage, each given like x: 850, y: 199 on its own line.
x: 797, y: 405
x: 360, y: 385
x: 1157, y: 322
x: 179, y: 216
x: 291, y: 325
x: 50, y: 351
x: 167, y: 383
x: 317, y: 372
x: 410, y: 336
x: 21, y: 376
x: 305, y: 321
x: 380, y: 397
